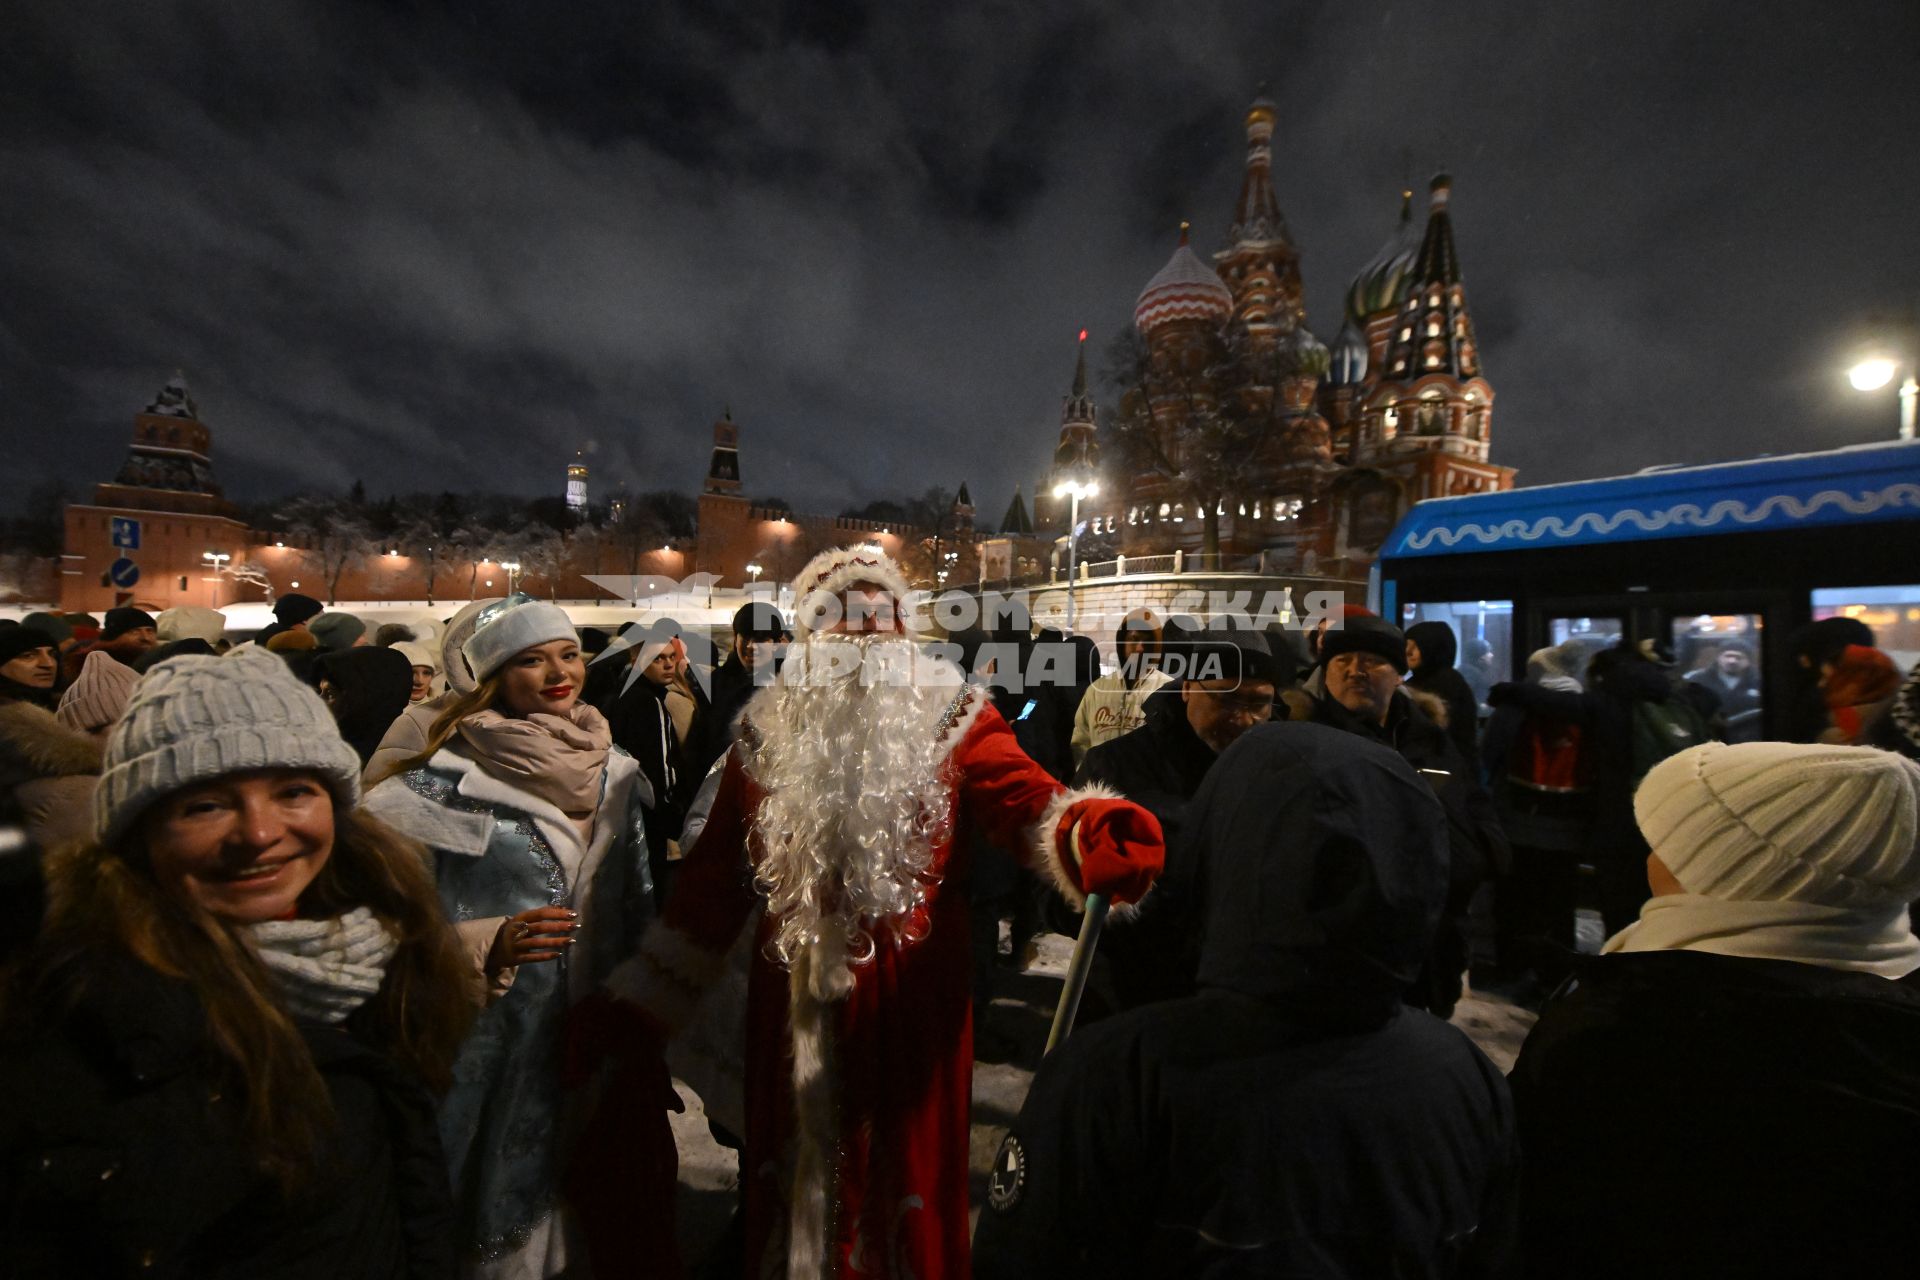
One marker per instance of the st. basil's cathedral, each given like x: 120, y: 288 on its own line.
x: 1330, y: 445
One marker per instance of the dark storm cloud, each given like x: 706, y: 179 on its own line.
x: 445, y: 245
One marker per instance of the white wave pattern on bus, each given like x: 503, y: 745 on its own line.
x: 1685, y: 515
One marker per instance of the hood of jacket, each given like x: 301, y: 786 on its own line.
x: 1439, y: 649
x: 1323, y: 866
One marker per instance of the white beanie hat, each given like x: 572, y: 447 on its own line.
x: 190, y: 622
x: 833, y: 571
x: 1781, y: 821
x: 98, y: 697
x: 196, y: 718
x: 508, y: 626
x: 418, y: 654
x: 453, y: 662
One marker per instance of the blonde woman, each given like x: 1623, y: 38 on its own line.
x: 535, y: 822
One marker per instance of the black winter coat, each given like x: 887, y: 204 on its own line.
x: 122, y: 1153
x: 1159, y: 765
x: 1476, y: 846
x: 1436, y: 675
x: 642, y: 726
x: 1290, y: 1119
x: 1687, y: 1114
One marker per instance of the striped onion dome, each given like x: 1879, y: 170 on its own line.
x: 1348, y: 365
x: 1382, y: 284
x: 1185, y: 289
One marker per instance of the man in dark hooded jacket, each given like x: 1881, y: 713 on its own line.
x: 1292, y: 1117
x: 1431, y: 649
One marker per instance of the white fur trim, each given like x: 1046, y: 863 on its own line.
x: 434, y: 825
x: 836, y: 569
x: 817, y: 1123
x: 1049, y: 855
x: 668, y: 976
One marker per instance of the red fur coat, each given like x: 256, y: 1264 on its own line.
x: 857, y: 1110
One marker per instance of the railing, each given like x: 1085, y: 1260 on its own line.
x: 1178, y: 562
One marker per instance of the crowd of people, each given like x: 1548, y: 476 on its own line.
x: 373, y: 950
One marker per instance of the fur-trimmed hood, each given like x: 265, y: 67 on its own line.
x: 33, y: 744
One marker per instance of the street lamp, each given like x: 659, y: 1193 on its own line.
x: 1876, y: 372
x: 754, y: 571
x: 1075, y: 489
x: 216, y: 559
x: 513, y: 573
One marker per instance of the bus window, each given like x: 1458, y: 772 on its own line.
x: 1721, y: 653
x: 1892, y: 612
x: 1484, y: 632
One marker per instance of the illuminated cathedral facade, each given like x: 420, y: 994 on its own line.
x: 1245, y: 437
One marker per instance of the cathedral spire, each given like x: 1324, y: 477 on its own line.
x: 1256, y: 217
x: 1077, y: 453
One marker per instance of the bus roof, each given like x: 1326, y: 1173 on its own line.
x: 1861, y: 484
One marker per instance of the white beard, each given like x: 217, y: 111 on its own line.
x: 849, y: 757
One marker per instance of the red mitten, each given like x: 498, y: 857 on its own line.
x: 1119, y: 845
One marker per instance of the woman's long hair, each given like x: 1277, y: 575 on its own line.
x: 447, y: 723
x: 106, y: 899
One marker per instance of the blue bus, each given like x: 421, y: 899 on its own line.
x: 1702, y: 558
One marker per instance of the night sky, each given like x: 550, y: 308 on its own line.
x: 445, y: 245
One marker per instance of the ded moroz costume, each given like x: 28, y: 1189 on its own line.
x: 848, y: 817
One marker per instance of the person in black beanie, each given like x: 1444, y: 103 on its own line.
x: 127, y: 633
x: 291, y: 612
x: 758, y: 631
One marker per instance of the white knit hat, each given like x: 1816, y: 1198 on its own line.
x: 418, y: 654
x: 196, y: 718
x: 190, y: 622
x: 1779, y: 821
x: 833, y: 571
x: 98, y: 697
x: 508, y: 626
x: 453, y: 663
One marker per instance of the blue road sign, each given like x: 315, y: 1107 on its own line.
x: 124, y: 572
x: 126, y: 533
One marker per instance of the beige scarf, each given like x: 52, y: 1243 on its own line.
x: 1863, y: 939
x: 559, y: 759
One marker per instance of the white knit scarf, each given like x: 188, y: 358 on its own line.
x: 1875, y: 940
x: 326, y: 968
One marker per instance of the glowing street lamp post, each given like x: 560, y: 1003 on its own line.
x: 216, y: 559
x: 513, y: 574
x: 1876, y: 372
x: 1075, y: 489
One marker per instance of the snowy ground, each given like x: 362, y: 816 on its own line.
x: 1022, y: 1011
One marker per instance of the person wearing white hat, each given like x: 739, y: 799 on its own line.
x: 536, y: 823
x: 407, y: 737
x: 219, y: 1058
x: 426, y: 669
x: 1733, y: 1087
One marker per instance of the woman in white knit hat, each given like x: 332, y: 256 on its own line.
x: 1733, y: 1088
x: 217, y: 1059
x: 535, y: 821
